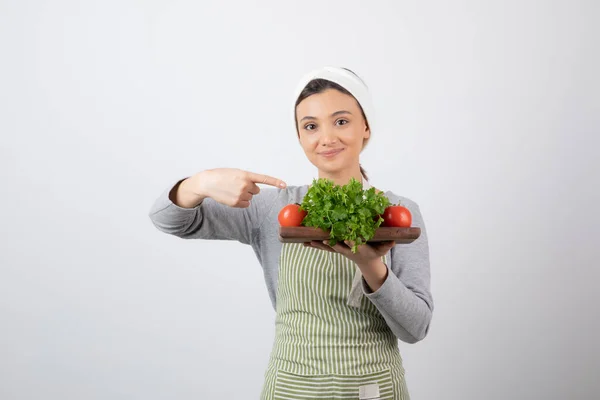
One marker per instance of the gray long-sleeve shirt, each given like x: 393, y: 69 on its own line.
x: 404, y: 300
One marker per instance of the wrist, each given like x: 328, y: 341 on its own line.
x: 186, y: 193
x: 373, y: 265
x: 196, y: 185
x: 375, y: 273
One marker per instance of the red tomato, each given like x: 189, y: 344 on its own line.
x: 291, y: 215
x: 397, y: 216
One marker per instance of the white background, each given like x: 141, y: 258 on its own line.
x: 489, y: 118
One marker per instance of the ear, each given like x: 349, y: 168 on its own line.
x: 367, y: 134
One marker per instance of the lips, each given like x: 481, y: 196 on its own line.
x: 330, y: 152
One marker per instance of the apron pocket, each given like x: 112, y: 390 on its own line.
x: 330, y: 386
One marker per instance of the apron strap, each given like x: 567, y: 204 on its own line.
x: 356, y: 293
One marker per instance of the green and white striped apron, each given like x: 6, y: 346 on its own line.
x: 324, y: 348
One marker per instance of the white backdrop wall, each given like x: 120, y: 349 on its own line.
x: 488, y: 119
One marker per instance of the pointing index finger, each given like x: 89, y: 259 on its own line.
x: 267, y: 180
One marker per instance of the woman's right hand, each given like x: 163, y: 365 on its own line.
x: 230, y: 186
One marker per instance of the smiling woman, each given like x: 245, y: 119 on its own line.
x: 339, y: 313
x: 327, y: 114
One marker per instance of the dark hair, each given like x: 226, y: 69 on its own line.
x: 317, y: 86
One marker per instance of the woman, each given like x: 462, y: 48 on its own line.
x: 339, y: 314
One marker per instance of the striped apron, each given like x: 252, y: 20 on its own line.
x: 325, y: 349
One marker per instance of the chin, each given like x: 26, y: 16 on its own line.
x: 332, y: 169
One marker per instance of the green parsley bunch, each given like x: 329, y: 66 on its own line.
x: 348, y: 211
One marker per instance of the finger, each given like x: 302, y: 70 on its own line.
x: 242, y: 204
x: 340, y: 247
x: 253, y: 189
x: 350, y: 244
x: 245, y: 196
x: 388, y: 244
x: 385, y: 246
x: 319, y: 245
x: 266, y: 180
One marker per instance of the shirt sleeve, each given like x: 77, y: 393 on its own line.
x: 212, y: 220
x: 404, y: 300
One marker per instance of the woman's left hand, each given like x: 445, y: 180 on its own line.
x: 366, y: 254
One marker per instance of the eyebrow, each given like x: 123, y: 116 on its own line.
x: 332, y: 115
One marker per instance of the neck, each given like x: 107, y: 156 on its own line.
x: 342, y: 177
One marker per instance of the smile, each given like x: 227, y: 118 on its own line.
x: 331, y: 153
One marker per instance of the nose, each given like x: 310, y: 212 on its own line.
x: 328, y: 136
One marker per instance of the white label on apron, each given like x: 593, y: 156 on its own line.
x: 368, y: 392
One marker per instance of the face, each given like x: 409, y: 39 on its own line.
x: 332, y: 131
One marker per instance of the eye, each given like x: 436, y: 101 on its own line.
x: 310, y: 127
x: 341, y: 122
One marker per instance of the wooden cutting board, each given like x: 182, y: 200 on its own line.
x: 301, y: 234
